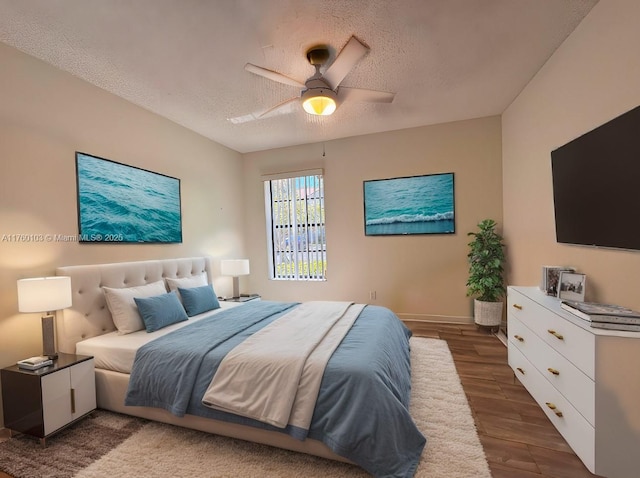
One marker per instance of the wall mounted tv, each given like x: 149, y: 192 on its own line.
x: 596, y: 180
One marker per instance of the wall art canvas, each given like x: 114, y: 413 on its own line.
x: 410, y: 205
x: 118, y: 203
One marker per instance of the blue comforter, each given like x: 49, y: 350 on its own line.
x: 362, y: 407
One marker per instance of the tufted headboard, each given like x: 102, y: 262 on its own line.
x: 89, y: 315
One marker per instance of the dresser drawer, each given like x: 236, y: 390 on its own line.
x: 572, y: 342
x: 578, y: 432
x: 574, y: 385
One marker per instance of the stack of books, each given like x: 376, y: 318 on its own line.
x: 35, y: 363
x: 604, y: 316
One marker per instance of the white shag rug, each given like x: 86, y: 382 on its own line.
x: 438, y: 406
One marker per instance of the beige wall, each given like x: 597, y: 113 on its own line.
x: 416, y: 276
x: 45, y: 116
x: 593, y: 77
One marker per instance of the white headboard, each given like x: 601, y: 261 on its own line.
x: 89, y: 315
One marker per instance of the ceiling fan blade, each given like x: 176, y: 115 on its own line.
x: 285, y: 107
x: 365, y: 96
x: 272, y: 75
x: 348, y: 57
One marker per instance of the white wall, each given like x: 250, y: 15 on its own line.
x: 593, y: 77
x: 45, y: 116
x: 420, y: 276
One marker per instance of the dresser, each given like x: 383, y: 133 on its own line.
x: 586, y: 380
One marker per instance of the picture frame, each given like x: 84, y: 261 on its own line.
x: 551, y: 278
x: 409, y: 205
x: 123, y: 204
x: 572, y: 286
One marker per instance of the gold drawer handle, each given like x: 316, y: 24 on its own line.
x: 554, y: 408
x: 556, y: 334
x: 553, y: 371
x: 519, y: 369
x: 517, y: 306
x: 518, y: 338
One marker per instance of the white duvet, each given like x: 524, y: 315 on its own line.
x: 274, y: 376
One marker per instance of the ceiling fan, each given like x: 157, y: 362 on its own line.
x: 321, y: 93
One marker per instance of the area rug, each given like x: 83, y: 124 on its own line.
x: 438, y: 405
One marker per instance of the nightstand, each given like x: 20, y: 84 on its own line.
x: 242, y: 298
x: 42, y: 402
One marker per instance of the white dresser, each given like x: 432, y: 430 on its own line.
x: 586, y: 380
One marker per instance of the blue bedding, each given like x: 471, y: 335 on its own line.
x: 362, y: 407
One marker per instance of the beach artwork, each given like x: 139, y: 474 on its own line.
x: 118, y: 203
x: 409, y: 205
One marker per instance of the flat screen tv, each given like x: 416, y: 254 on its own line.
x: 118, y: 203
x: 595, y: 186
x: 409, y: 205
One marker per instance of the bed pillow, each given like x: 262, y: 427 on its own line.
x: 161, y: 310
x: 186, y: 282
x: 123, y: 308
x: 197, y: 300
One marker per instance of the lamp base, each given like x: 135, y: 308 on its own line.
x: 48, y: 337
x: 236, y: 287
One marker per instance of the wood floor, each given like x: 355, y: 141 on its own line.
x: 518, y: 439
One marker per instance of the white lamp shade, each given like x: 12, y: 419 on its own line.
x: 44, y: 294
x: 234, y: 267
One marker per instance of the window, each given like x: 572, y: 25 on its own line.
x: 294, y: 209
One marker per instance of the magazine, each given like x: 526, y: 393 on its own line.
x: 610, y: 326
x: 593, y: 308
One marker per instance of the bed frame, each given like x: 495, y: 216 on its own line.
x: 89, y: 317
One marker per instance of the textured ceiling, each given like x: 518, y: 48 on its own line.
x: 446, y: 60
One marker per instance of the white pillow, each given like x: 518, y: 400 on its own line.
x: 124, y: 310
x: 186, y: 282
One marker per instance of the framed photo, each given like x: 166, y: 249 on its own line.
x: 551, y: 278
x: 118, y: 203
x: 572, y: 286
x: 409, y: 205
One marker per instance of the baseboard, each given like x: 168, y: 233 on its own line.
x: 5, y: 433
x: 501, y: 337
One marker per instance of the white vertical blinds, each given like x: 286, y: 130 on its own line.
x: 296, y: 226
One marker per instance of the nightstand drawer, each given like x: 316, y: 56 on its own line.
x: 572, y: 342
x: 577, y: 387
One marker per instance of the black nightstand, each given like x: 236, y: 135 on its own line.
x: 242, y: 298
x: 42, y: 402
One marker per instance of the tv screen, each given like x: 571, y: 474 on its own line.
x: 595, y: 185
x: 409, y: 205
x: 118, y: 203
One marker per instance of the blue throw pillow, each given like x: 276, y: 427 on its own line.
x: 197, y: 300
x: 161, y: 310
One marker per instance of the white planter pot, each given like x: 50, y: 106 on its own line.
x: 488, y: 314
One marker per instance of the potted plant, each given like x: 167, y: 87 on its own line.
x: 486, y: 281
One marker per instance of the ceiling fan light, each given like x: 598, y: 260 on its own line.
x: 322, y: 102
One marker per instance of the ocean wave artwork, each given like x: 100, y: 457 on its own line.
x: 121, y: 203
x: 410, y: 205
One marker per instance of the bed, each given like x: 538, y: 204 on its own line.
x: 384, y: 442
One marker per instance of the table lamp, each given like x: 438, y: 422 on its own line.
x: 45, y: 294
x: 235, y: 268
